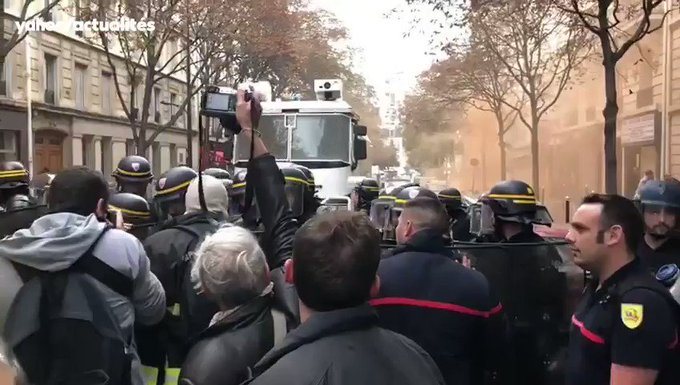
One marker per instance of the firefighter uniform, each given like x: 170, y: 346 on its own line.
x: 628, y: 321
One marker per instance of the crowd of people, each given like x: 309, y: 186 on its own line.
x: 243, y: 280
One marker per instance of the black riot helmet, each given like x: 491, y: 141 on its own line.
x: 451, y: 198
x: 312, y: 202
x: 133, y: 169
x: 510, y: 201
x: 365, y: 192
x: 297, y: 185
x: 217, y: 173
x: 309, y: 176
x: 658, y: 199
x: 13, y: 174
x: 237, y: 200
x: 135, y: 210
x: 171, y: 189
x: 404, y: 196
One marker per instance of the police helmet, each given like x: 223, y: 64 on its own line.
x: 660, y: 194
x: 309, y: 176
x: 239, y: 186
x: 369, y: 188
x: 512, y: 201
x: 217, y: 173
x: 135, y: 209
x: 451, y: 198
x: 297, y: 183
x: 13, y: 174
x: 174, y: 184
x: 405, y: 195
x: 133, y: 169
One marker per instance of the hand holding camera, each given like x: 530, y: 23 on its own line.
x: 248, y: 110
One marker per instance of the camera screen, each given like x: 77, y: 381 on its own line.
x: 220, y: 102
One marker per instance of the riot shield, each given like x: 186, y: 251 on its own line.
x: 11, y: 221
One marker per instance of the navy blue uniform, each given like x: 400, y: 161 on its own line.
x: 443, y: 306
x: 668, y: 252
x: 634, y: 327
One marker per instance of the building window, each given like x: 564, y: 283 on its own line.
x: 173, y: 155
x: 174, y: 107
x: 106, y: 92
x: 9, y: 145
x: 181, y: 157
x: 3, y: 77
x: 50, y: 78
x: 157, y: 105
x: 80, y: 79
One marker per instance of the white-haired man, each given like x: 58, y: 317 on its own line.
x: 231, y: 269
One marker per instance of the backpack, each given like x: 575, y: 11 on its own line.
x: 61, y: 330
x: 195, y: 310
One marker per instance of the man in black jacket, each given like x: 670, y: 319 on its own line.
x: 335, y: 258
x: 443, y: 306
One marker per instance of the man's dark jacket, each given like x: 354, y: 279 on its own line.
x: 346, y: 347
x: 443, y: 306
x: 226, y: 350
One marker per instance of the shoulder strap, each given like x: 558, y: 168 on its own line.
x: 97, y: 269
x: 280, y: 327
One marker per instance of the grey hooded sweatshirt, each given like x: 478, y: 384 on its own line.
x: 54, y: 242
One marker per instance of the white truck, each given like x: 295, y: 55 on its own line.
x: 322, y: 135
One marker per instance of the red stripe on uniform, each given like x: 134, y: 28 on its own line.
x: 434, y: 305
x: 587, y: 333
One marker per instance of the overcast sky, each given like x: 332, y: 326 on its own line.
x: 386, y: 52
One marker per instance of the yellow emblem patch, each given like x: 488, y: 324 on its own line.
x: 631, y: 315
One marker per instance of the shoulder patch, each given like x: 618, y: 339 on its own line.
x: 631, y: 315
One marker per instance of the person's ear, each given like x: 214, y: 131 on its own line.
x: 615, y: 236
x: 289, y: 270
x: 375, y: 287
x: 101, y: 209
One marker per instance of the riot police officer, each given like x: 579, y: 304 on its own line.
x: 296, y: 187
x: 133, y: 175
x: 660, y: 205
x: 170, y: 191
x: 14, y: 181
x: 459, y: 220
x: 530, y: 286
x: 136, y: 213
x: 237, y: 204
x: 364, y: 193
x: 508, y: 212
x: 312, y: 201
x: 20, y: 208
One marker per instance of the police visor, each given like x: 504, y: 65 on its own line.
x: 295, y: 194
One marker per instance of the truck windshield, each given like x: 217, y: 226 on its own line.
x: 321, y: 137
x: 274, y: 136
x: 315, y: 137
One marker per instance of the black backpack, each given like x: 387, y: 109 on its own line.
x: 61, y: 330
x: 195, y: 310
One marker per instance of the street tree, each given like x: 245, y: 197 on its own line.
x: 427, y: 128
x: 30, y: 10
x: 479, y: 80
x: 141, y: 61
x: 618, y: 27
x: 541, y: 48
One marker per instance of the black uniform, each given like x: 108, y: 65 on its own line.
x: 667, y: 253
x: 628, y: 322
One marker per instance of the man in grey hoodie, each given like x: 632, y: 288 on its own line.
x: 78, y: 205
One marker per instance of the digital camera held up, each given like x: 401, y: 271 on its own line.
x: 220, y: 102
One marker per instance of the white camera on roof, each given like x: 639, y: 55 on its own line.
x: 328, y: 89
